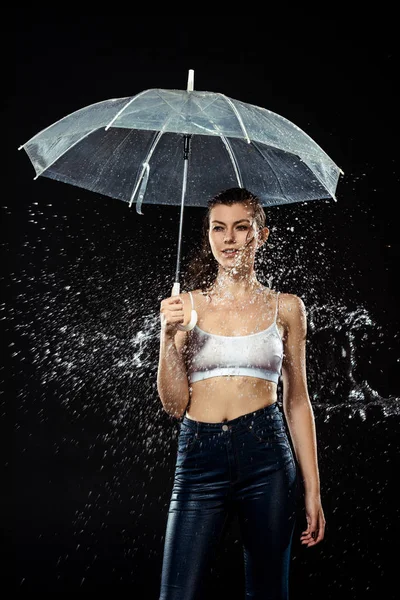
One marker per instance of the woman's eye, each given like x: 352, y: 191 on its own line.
x: 239, y: 227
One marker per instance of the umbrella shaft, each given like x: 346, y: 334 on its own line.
x: 186, y: 150
x: 178, y: 260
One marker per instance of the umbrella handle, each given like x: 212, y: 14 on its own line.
x: 193, y: 316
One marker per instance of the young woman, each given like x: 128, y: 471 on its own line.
x: 220, y: 379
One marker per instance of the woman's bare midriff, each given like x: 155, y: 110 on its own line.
x: 225, y: 398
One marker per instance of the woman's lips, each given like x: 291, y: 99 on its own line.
x: 230, y: 254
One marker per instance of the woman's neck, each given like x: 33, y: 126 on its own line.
x: 231, y: 291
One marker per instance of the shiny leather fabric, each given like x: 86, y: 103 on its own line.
x: 246, y: 466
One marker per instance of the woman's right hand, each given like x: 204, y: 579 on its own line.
x: 171, y: 315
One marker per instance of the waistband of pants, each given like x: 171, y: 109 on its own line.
x: 267, y: 412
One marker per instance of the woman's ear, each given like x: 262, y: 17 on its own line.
x: 262, y: 236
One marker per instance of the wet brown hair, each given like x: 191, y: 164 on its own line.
x: 202, y: 269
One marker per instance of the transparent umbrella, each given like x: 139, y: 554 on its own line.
x: 182, y: 147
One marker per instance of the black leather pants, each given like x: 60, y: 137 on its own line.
x: 244, y: 465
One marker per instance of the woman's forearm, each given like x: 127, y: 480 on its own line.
x: 300, y: 420
x: 172, y: 381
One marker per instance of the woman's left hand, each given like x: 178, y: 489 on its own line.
x: 315, y: 521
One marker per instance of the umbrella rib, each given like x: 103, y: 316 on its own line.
x: 212, y: 101
x: 68, y: 149
x: 237, y: 115
x: 42, y: 131
x: 168, y: 103
x: 233, y: 159
x: 271, y: 167
x: 124, y: 108
x: 265, y: 113
x: 145, y: 166
x: 302, y: 160
x: 203, y: 108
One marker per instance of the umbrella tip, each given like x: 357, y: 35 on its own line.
x: 190, y: 83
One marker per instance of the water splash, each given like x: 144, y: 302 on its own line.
x: 346, y: 349
x: 84, y: 351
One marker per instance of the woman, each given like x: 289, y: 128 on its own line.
x: 221, y: 378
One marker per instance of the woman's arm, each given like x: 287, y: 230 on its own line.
x: 172, y: 380
x: 298, y: 411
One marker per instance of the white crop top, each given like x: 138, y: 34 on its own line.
x: 255, y: 355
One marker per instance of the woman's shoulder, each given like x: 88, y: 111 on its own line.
x: 290, y: 301
x: 291, y: 310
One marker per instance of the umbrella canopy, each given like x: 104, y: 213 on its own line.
x: 132, y: 149
x: 139, y: 149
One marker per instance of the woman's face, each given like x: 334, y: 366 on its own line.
x: 233, y: 227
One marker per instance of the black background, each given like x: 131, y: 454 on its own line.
x: 94, y: 451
